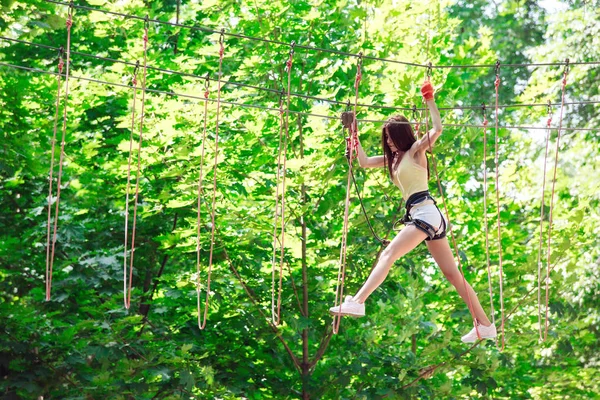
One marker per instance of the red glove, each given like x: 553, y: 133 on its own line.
x: 427, y: 90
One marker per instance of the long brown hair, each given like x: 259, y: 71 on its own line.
x: 403, y: 137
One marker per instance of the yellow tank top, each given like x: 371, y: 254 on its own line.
x: 409, y: 176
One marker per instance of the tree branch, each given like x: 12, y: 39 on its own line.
x: 255, y: 302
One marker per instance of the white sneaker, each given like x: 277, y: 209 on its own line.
x: 485, y: 332
x: 349, y: 307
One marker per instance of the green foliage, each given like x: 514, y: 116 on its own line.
x: 84, y: 344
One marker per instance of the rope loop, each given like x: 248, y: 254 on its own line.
x: 61, y: 62
x: 135, y: 71
x: 566, y: 72
x: 415, y: 117
x: 281, y: 94
x: 222, y: 47
x: 497, y: 68
x: 290, y: 61
x: 358, y: 70
x: 485, y: 121
x: 206, y: 86
x: 69, y: 22
x: 429, y: 70
x: 146, y: 26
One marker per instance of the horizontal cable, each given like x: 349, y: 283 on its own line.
x: 299, y: 95
x: 243, y: 105
x: 314, y: 48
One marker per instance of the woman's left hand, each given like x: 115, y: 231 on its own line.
x: 427, y: 90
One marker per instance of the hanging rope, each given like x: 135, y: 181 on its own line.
x: 548, y: 252
x: 275, y: 313
x: 126, y: 288
x: 501, y: 274
x: 214, y: 190
x: 539, y: 260
x: 50, y: 264
x: 352, y: 144
x: 201, y: 324
x: 485, y: 218
x: 417, y: 120
x: 280, y: 213
x: 58, y: 83
x: 469, y: 301
x: 281, y: 171
x: 127, y: 293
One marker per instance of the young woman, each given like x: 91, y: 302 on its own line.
x: 404, y: 156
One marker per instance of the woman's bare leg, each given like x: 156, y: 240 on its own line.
x: 406, y: 240
x: 440, y: 250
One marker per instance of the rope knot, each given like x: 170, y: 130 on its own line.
x: 289, y: 63
x: 497, y: 82
x: 485, y: 123
x: 145, y: 38
x: 61, y: 65
x: 206, y: 94
x: 358, y: 78
x: 134, y: 81
x: 549, y: 122
x: 221, y: 51
x: 69, y: 22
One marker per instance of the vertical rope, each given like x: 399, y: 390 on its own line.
x: 69, y: 24
x: 417, y: 118
x: 214, y: 191
x: 539, y: 259
x: 353, y: 145
x: 485, y: 219
x: 282, y: 170
x: 58, y: 84
x: 548, y: 252
x: 437, y: 177
x: 501, y: 274
x: 274, y: 314
x: 128, y: 186
x: 139, y: 160
x: 198, y: 221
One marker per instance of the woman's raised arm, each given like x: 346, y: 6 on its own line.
x: 427, y: 141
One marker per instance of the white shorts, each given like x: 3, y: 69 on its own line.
x: 427, y: 212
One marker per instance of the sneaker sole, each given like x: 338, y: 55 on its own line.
x: 344, y: 314
x: 483, y: 337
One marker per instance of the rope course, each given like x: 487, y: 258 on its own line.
x: 50, y: 254
x: 307, y: 114
x: 418, y: 115
x: 299, y: 95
